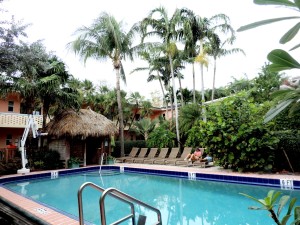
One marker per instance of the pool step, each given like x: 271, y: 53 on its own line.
x: 141, y: 220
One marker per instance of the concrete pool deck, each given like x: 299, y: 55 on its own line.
x: 46, y: 215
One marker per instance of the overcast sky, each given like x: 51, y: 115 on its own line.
x: 55, y: 21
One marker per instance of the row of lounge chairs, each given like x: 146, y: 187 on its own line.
x: 160, y: 156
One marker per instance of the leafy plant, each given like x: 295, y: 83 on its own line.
x: 161, y: 138
x: 74, y: 160
x: 270, y: 202
x: 280, y: 59
x: 109, y: 157
x: 235, y: 134
x: 38, y: 164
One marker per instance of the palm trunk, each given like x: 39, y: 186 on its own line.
x: 175, y: 100
x: 121, y: 120
x: 164, y: 97
x: 214, y: 79
x: 163, y: 92
x: 171, y: 103
x: 180, y: 88
x: 194, y: 84
x: 202, y: 93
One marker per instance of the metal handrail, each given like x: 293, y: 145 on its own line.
x: 114, y: 192
x: 118, y: 195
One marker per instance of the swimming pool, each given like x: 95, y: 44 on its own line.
x: 181, y: 201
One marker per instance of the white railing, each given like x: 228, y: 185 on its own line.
x: 16, y: 120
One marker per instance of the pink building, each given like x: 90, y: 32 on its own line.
x: 12, y: 121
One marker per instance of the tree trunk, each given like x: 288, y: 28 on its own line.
x: 180, y: 88
x: 121, y: 120
x: 202, y: 93
x: 194, y: 86
x: 162, y: 90
x: 214, y: 79
x: 175, y: 100
x: 165, y: 104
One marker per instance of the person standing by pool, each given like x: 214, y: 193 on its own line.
x: 194, y: 156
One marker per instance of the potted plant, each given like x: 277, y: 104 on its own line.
x: 73, y: 162
x: 110, y: 160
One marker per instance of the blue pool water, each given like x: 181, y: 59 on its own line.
x: 181, y: 201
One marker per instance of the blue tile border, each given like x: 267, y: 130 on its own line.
x: 270, y: 182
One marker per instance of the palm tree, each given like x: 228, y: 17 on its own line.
x: 135, y: 99
x: 144, y: 127
x: 41, y: 82
x: 54, y: 91
x: 164, y: 28
x: 104, y: 39
x: 190, y: 33
x: 156, y: 63
x: 217, y: 49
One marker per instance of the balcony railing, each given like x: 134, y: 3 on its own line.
x: 16, y: 120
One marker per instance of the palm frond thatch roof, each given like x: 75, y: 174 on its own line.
x: 84, y: 123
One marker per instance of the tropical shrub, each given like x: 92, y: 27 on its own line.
x: 161, y: 138
x: 288, y: 151
x: 236, y: 135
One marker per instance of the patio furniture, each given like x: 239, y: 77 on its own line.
x: 162, y: 155
x: 140, y: 155
x: 132, y: 154
x: 185, y: 152
x: 151, y: 155
x: 173, y: 154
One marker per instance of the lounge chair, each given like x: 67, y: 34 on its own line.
x: 185, y: 152
x: 173, y: 155
x: 162, y: 155
x: 132, y: 154
x: 151, y: 155
x: 142, y: 154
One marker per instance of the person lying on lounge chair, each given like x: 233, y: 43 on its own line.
x: 194, y: 156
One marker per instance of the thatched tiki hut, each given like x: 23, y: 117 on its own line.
x: 84, y: 134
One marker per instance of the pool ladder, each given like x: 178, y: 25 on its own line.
x: 120, y: 196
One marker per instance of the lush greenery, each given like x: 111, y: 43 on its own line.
x: 236, y: 135
x: 45, y: 159
x: 231, y: 127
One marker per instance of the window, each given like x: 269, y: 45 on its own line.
x: 10, y: 106
x: 8, y: 139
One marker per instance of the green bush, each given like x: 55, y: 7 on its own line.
x: 161, y: 138
x: 236, y: 136
x: 52, y: 160
x: 289, y: 141
x: 45, y: 159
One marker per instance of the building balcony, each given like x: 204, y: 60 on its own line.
x: 16, y: 120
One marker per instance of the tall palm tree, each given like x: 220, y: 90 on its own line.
x: 217, y: 49
x: 156, y: 63
x: 54, y: 91
x: 104, y: 39
x: 190, y: 33
x: 162, y: 26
